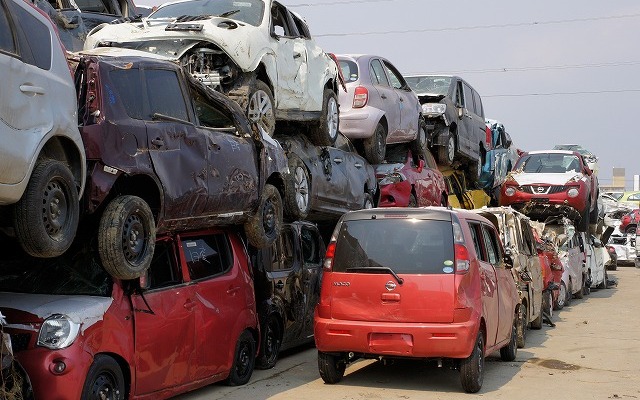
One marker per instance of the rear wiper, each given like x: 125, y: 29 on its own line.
x: 377, y: 269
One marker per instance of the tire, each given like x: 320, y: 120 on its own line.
x: 509, y: 352
x: 603, y: 284
x: 567, y: 301
x: 547, y: 304
x: 270, y: 343
x: 260, y: 106
x: 562, y: 296
x: 297, y: 200
x: 104, y: 380
x: 331, y: 367
x: 325, y: 131
x: 631, y: 230
x: 375, y: 146
x: 523, y: 325
x: 472, y: 367
x: 580, y: 293
x: 537, y: 323
x: 413, y: 202
x: 244, y: 360
x: 419, y: 144
x: 263, y: 228
x: 46, y: 217
x: 126, y: 237
x: 368, y: 202
x: 446, y: 154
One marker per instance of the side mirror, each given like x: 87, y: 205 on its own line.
x: 460, y: 111
x: 420, y: 165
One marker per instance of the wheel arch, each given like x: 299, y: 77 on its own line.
x: 127, y: 371
x: 63, y: 149
x: 143, y: 186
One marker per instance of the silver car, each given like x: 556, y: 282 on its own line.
x: 42, y: 159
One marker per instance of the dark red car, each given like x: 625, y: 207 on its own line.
x: 629, y: 222
x: 79, y: 333
x: 408, y: 180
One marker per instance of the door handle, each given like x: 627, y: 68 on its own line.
x: 31, y: 89
x: 401, y: 99
x: 297, y: 55
x: 157, y: 142
x: 279, y: 285
x: 384, y: 96
x: 189, y: 304
x: 337, y: 160
x: 357, y: 165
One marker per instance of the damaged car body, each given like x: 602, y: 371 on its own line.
x: 166, y: 154
x: 499, y: 160
x: 256, y: 51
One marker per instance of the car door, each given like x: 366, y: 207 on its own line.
x: 408, y: 104
x: 312, y: 250
x: 506, y: 290
x: 533, y: 266
x: 314, y: 67
x: 164, y: 320
x: 387, y: 99
x: 291, y: 65
x: 468, y: 134
x: 426, y: 180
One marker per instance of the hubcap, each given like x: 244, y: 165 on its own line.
x: 562, y: 295
x: 133, y: 238
x: 261, y: 111
x: 332, y: 117
x: 451, y: 149
x: 105, y: 388
x: 302, y: 188
x: 54, y: 208
x: 243, y: 359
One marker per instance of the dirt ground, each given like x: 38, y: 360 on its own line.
x: 592, y: 353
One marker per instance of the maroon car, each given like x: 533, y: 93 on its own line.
x: 629, y: 222
x: 406, y: 180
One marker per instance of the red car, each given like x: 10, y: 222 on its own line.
x: 421, y: 283
x: 406, y: 180
x: 629, y: 222
x: 552, y: 270
x: 552, y: 183
x: 189, y: 322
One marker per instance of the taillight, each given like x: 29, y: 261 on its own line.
x: 488, y: 138
x: 461, y: 258
x: 328, y: 258
x: 360, y: 97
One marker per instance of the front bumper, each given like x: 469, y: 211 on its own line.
x: 395, y: 195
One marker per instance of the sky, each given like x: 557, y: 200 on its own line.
x: 551, y: 71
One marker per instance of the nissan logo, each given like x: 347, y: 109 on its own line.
x: 390, y: 285
x: 540, y: 189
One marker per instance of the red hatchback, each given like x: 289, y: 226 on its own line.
x: 189, y: 322
x: 629, y: 222
x: 428, y: 283
x: 406, y: 180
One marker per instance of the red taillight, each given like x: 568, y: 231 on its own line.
x: 488, y: 138
x: 461, y: 259
x: 328, y: 258
x: 360, y: 97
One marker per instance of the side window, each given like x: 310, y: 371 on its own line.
x: 207, y: 256
x: 476, y: 233
x: 459, y: 95
x: 165, y: 95
x: 281, y: 23
x: 128, y: 86
x: 377, y: 73
x: 491, y: 245
x: 208, y: 115
x: 283, y: 251
x: 34, y: 38
x: 468, y: 97
x: 528, y: 240
x: 6, y: 36
x: 301, y: 26
x: 164, y: 270
x: 310, y: 246
x: 478, y: 104
x: 396, y: 79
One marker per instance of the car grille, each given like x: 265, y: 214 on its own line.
x: 20, y: 341
x: 542, y: 189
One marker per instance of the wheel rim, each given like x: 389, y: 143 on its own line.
x: 301, y: 184
x: 451, y: 149
x: 367, y: 204
x: 272, y: 341
x: 243, y: 364
x: 269, y: 217
x: 261, y: 110
x: 105, y: 387
x: 562, y: 295
x: 479, y: 350
x: 55, y: 208
x: 381, y: 143
x: 134, y: 237
x: 332, y: 117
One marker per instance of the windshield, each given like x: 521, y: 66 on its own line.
x: 549, y: 163
x: 429, y: 84
x: 77, y: 272
x: 406, y: 246
x: 249, y: 11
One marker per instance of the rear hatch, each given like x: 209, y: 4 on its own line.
x: 394, y: 270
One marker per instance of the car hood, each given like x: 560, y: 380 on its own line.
x: 243, y: 43
x: 84, y: 310
x: 526, y: 178
x: 385, y: 169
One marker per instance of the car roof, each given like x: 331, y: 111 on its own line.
x: 422, y: 213
x: 553, y: 152
x: 122, y: 52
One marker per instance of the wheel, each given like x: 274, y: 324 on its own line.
x: 587, y: 283
x: 331, y: 367
x: 368, y: 202
x: 126, y: 237
x: 509, y: 352
x: 260, y: 107
x: 297, y: 201
x: 244, y: 360
x: 419, y: 144
x: 547, y: 304
x: 413, y: 202
x: 580, y: 293
x: 567, y: 300
x: 375, y: 147
x: 472, y: 367
x: 447, y: 154
x: 104, y: 380
x: 325, y: 132
x: 562, y: 296
x: 603, y: 284
x: 263, y: 228
x: 270, y: 344
x: 523, y: 325
x: 46, y: 217
x: 537, y: 323
x: 631, y: 230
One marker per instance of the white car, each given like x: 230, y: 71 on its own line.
x: 597, y: 255
x: 42, y: 158
x: 256, y: 51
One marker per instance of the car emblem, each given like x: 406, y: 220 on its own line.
x: 390, y: 285
x: 540, y: 189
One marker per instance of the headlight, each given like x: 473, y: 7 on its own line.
x: 58, y: 332
x: 433, y: 109
x: 510, y: 191
x: 395, y: 177
x: 573, y: 192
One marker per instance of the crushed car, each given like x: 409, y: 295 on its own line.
x: 256, y: 51
x: 165, y: 154
x: 460, y: 194
x: 590, y: 158
x: 499, y: 160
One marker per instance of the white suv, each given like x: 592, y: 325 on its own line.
x: 42, y: 159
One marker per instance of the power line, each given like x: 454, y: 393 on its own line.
x: 473, y: 27
x: 333, y: 3
x: 532, y: 68
x: 561, y: 93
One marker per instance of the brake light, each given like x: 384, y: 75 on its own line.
x: 328, y: 258
x: 360, y: 97
x: 461, y: 259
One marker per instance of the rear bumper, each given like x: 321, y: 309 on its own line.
x: 424, y: 340
x: 359, y: 123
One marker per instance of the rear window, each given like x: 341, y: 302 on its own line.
x: 406, y: 246
x: 349, y: 70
